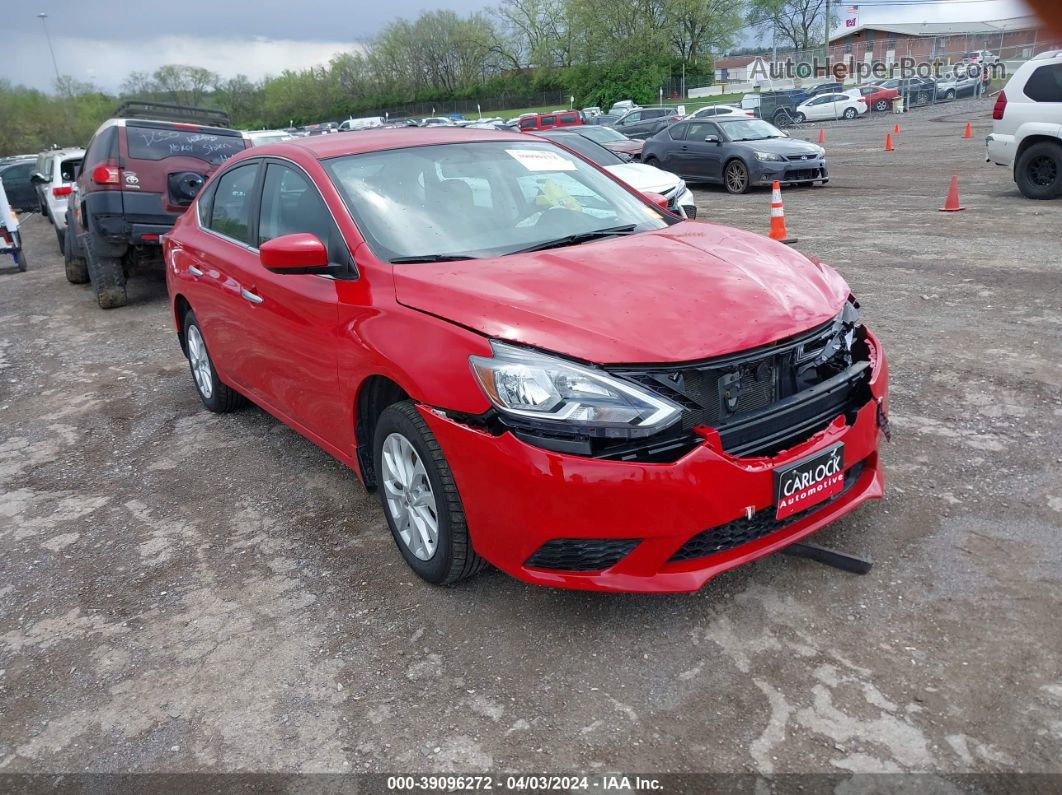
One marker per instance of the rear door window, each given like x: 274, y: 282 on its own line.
x: 678, y: 131
x: 1045, y: 84
x: 548, y: 121
x: 68, y: 169
x: 157, y: 142
x: 230, y: 213
x: 102, y: 148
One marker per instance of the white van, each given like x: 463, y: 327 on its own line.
x: 1027, y: 132
x: 364, y: 123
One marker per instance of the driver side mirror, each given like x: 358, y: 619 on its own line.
x: 657, y: 199
x: 294, y: 254
x: 711, y: 139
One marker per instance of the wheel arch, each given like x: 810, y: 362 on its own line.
x: 181, y: 307
x: 375, y: 393
x: 1030, y: 140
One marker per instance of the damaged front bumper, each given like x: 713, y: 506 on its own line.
x: 545, y: 516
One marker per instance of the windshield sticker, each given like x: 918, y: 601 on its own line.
x: 541, y: 160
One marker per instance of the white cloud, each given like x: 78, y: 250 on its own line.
x: 107, y: 63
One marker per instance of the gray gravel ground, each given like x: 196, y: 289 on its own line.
x: 182, y: 591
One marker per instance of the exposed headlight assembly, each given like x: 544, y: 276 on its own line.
x: 547, y: 392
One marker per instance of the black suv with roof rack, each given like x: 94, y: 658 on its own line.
x: 141, y: 170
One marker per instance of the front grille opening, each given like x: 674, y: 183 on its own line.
x: 766, y: 400
x: 581, y: 554
x: 763, y: 523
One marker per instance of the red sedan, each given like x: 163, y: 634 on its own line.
x: 531, y: 363
x: 877, y: 97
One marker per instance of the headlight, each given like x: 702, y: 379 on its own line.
x: 549, y: 392
x: 769, y: 156
x: 822, y: 152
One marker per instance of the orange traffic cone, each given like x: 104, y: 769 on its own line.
x: 951, y: 204
x: 822, y: 136
x: 896, y: 129
x: 888, y: 142
x: 778, y: 230
x: 968, y: 132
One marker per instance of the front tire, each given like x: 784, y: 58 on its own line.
x: 1039, y: 171
x: 60, y: 236
x: 420, y: 498
x: 107, y: 277
x: 736, y: 177
x: 800, y: 118
x: 216, y: 395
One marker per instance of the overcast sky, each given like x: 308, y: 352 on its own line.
x: 101, y: 41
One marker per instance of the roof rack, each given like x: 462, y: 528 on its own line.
x: 164, y: 111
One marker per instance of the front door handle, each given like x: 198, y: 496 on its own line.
x: 192, y: 269
x: 254, y: 299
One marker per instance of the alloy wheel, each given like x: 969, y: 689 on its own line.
x: 409, y: 496
x: 200, y: 361
x: 1043, y: 171
x: 736, y: 178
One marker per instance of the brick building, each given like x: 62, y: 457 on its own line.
x: 1016, y: 39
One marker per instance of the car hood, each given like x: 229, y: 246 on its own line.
x: 782, y: 146
x: 644, y: 178
x: 686, y: 292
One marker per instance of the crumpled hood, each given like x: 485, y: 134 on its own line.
x: 687, y: 292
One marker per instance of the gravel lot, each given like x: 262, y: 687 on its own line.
x: 183, y: 591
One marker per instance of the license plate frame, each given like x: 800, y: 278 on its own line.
x: 809, y: 481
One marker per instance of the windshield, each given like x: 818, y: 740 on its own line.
x: 587, y: 148
x: 603, y: 135
x: 749, y: 129
x: 481, y: 199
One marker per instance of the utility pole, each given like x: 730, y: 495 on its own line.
x: 44, y: 23
x: 826, y: 48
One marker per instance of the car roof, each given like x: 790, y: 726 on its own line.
x: 372, y: 140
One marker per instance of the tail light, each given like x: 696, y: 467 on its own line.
x: 1000, y: 106
x: 62, y: 190
x: 105, y: 175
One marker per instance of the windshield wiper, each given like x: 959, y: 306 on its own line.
x: 430, y: 258
x: 581, y: 237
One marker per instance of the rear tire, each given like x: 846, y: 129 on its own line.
x: 850, y: 113
x: 76, y: 268
x: 652, y: 161
x: 427, y: 496
x: 1039, y: 171
x: 881, y: 105
x: 60, y: 236
x: 216, y: 395
x: 107, y: 277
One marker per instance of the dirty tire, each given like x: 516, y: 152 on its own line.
x: 107, y: 277
x: 221, y: 398
x: 454, y: 558
x: 76, y: 267
x: 1039, y: 171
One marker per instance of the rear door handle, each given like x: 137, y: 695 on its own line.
x: 192, y: 269
x: 254, y: 299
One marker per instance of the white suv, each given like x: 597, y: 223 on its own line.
x: 54, y: 178
x: 1027, y: 133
